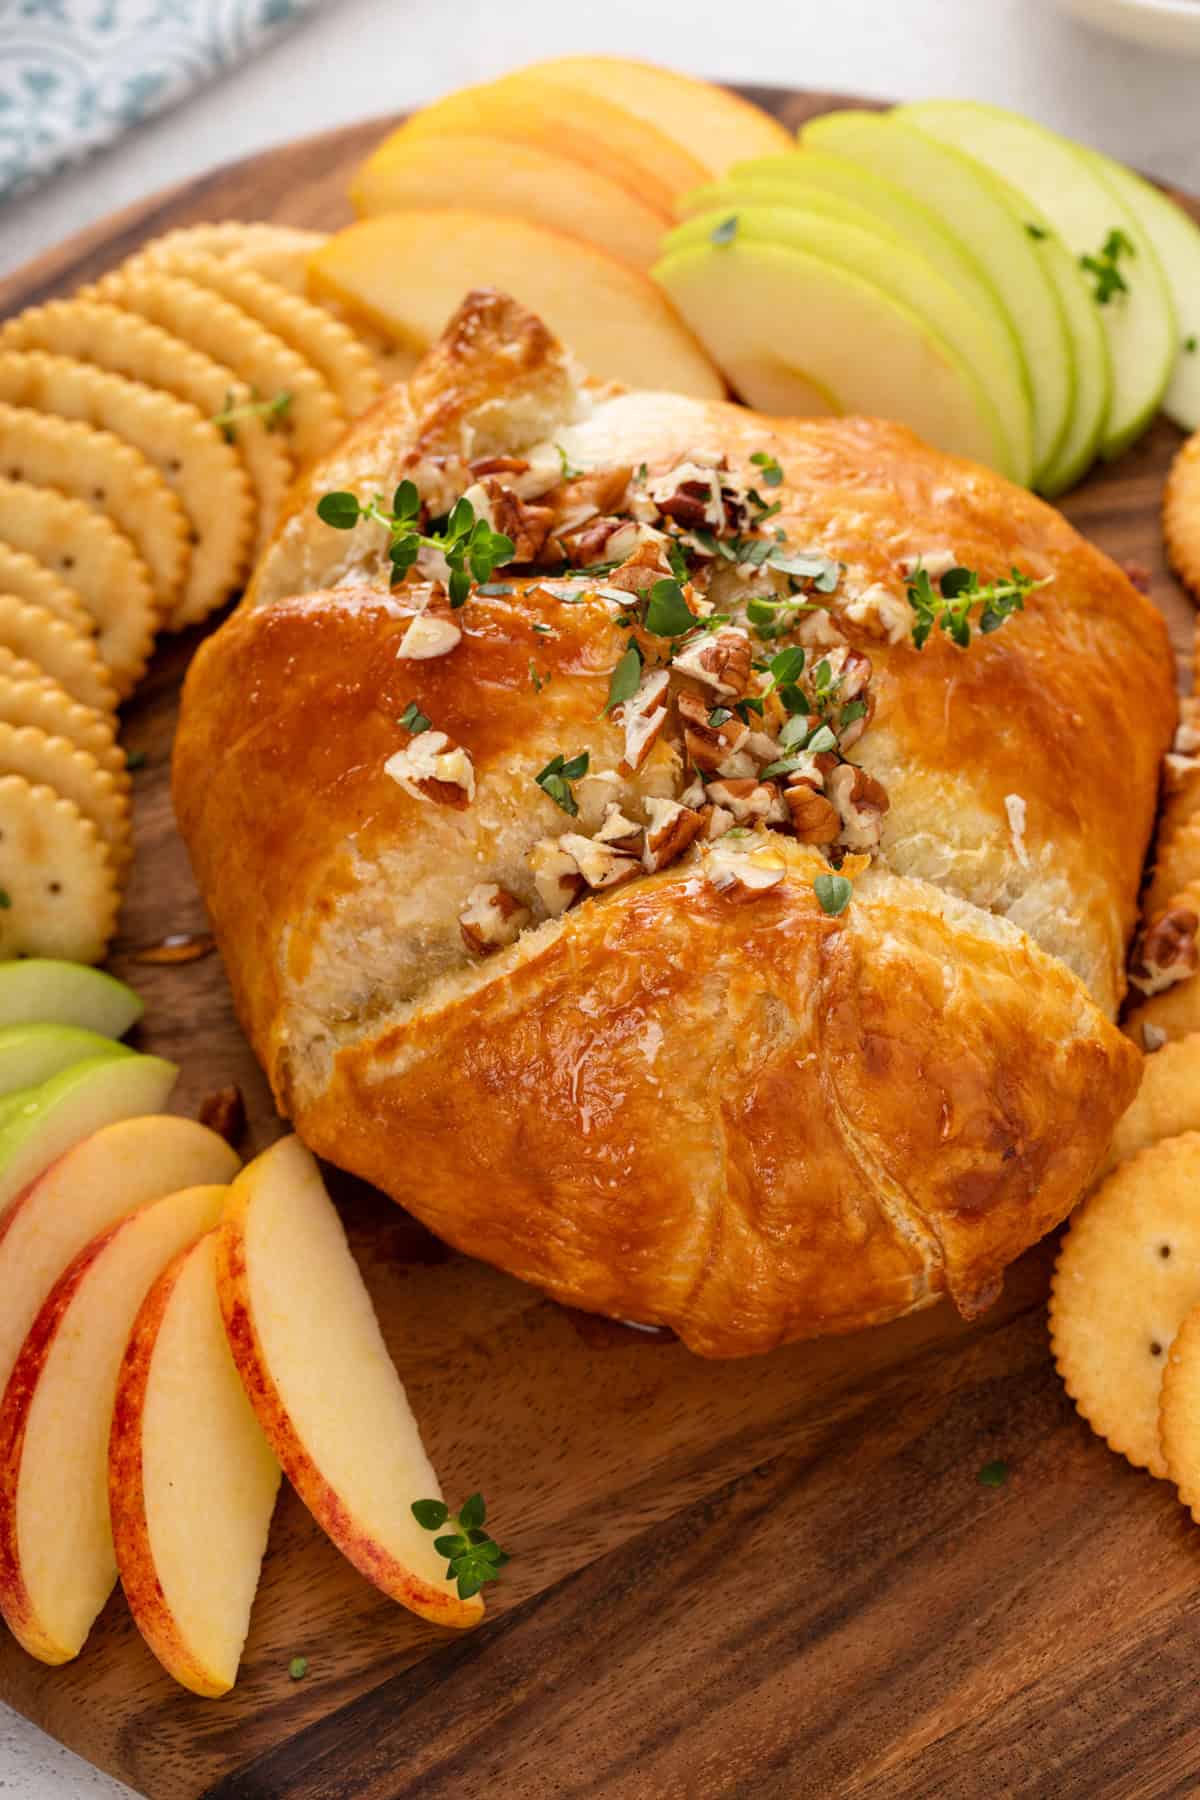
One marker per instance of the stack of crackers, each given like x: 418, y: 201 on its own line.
x: 150, y: 428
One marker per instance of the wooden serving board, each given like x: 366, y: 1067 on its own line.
x: 770, y: 1578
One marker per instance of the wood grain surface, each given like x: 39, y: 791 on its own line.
x: 769, y: 1578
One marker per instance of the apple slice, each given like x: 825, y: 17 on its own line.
x: 41, y: 989
x: 1084, y: 208
x: 31, y: 1054
x: 798, y: 335
x: 112, y: 1172
x: 73, y: 1104
x: 712, y: 124
x: 57, y: 1564
x: 191, y: 1479
x: 524, y: 180
x: 965, y: 198
x: 313, y: 1361
x: 407, y: 272
x: 1176, y: 237
x: 1092, y: 403
x: 530, y: 108
x: 987, y: 351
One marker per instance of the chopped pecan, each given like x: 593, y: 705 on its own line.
x: 225, y: 1113
x: 815, y: 820
x: 499, y: 465
x: 1166, y: 952
x: 861, y: 802
x: 432, y: 768
x: 708, y: 745
x: 884, y: 614
x: 590, y: 544
x: 620, y: 832
x: 430, y: 634
x: 643, y: 716
x: 717, y: 820
x: 524, y: 521
x: 556, y: 875
x: 644, y: 565
x: 491, y: 918
x: 601, y: 865
x: 670, y: 828
x: 721, y: 660
x: 749, y: 800
x: 597, y: 491
x: 740, y: 873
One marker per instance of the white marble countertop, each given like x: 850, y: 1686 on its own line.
x: 355, y: 58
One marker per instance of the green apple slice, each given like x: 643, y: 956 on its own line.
x: 31, y: 1054
x: 913, y: 281
x: 42, y: 990
x: 750, y: 189
x: 73, y: 1104
x: 1084, y: 435
x: 1084, y: 208
x: 787, y: 327
x: 964, y: 197
x: 1176, y: 237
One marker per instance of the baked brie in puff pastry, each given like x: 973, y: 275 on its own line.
x: 535, y: 908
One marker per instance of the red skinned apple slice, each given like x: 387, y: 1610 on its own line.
x: 191, y: 1479
x: 57, y: 1565
x: 310, y: 1352
x: 111, y: 1173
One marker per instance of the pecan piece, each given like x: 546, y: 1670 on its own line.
x: 749, y: 800
x: 645, y: 565
x: 597, y: 491
x: 708, y: 745
x: 1166, y: 952
x: 601, y: 865
x: 815, y: 820
x: 430, y: 635
x: 742, y: 874
x: 526, y: 523
x: 620, y: 832
x: 491, y: 918
x: 225, y: 1113
x: 556, y: 875
x: 643, y: 716
x: 432, y: 768
x: 721, y: 660
x: 861, y: 802
x: 499, y: 465
x: 670, y: 828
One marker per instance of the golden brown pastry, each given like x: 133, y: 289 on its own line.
x: 625, y: 1052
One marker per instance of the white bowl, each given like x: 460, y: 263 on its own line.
x: 1165, y: 24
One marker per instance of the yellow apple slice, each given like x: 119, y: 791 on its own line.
x: 710, y: 123
x: 112, y: 1172
x: 529, y: 108
x: 57, y: 1564
x: 313, y: 1361
x: 524, y: 180
x: 407, y: 271
x: 191, y: 1479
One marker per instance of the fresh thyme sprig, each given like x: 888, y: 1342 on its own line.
x: 1103, y: 267
x: 949, y: 604
x: 235, y: 410
x: 472, y: 1555
x: 772, y: 474
x: 556, y: 778
x: 834, y: 893
x: 473, y: 551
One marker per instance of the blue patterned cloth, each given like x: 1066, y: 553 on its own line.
x: 75, y: 74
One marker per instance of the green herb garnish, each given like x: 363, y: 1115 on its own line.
x: 667, y: 612
x: 1189, y: 344
x: 5, y: 900
x: 269, y: 411
x: 536, y: 681
x: 949, y: 605
x: 473, y: 551
x: 473, y: 1556
x: 772, y: 474
x: 557, y: 776
x: 414, y: 720
x: 135, y: 759
x: 993, y: 1474
x: 1103, y: 267
x: 833, y: 892
x: 569, y: 472
x: 625, y: 677
x: 1036, y: 231
x: 298, y: 1668
x: 724, y: 233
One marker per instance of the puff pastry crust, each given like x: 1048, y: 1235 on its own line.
x: 675, y: 1102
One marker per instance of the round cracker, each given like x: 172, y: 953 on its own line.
x: 393, y: 361
x: 1179, y: 1413
x: 56, y: 762
x: 1181, y: 515
x: 188, y: 450
x: 27, y: 578
x: 111, y: 477
x: 110, y: 577
x: 1167, y: 1102
x: 280, y: 253
x: 1127, y: 1275
x: 325, y: 342
x: 55, y: 648
x: 264, y: 366
x: 1181, y: 795
x: 27, y: 697
x: 56, y: 876
x: 1176, y: 866
x: 1165, y: 1017
x: 126, y: 344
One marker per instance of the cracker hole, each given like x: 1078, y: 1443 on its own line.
x: 1155, y: 1347
x: 16, y: 474
x: 174, y: 466
x: 67, y: 562
x: 54, y: 887
x: 100, y: 495
x: 1164, y: 1250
